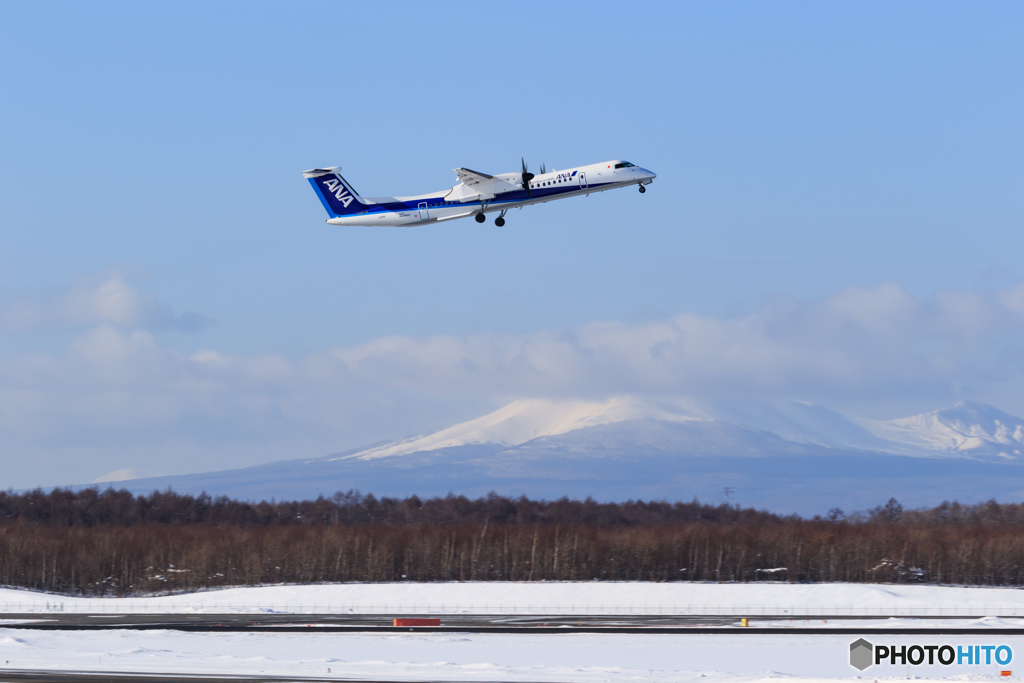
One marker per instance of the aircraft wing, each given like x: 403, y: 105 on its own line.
x: 471, y: 177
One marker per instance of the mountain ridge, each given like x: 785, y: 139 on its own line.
x: 784, y: 455
x: 949, y: 431
x: 967, y: 426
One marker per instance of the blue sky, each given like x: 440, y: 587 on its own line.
x: 807, y: 154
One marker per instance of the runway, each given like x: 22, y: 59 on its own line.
x: 497, y: 624
x: 39, y: 676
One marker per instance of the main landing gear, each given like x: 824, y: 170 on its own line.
x: 642, y: 189
x: 500, y: 220
x: 480, y: 218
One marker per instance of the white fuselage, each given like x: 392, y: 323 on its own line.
x: 498, y: 193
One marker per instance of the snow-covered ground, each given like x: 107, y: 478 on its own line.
x: 740, y: 657
x: 751, y: 599
x: 470, y: 657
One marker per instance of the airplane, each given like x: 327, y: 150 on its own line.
x: 476, y: 194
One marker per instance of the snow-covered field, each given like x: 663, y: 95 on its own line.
x: 557, y: 598
x: 745, y: 657
x: 458, y: 657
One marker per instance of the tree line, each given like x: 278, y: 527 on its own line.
x: 91, y: 507
x: 94, y: 542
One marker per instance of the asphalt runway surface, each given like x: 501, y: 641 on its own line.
x: 34, y: 676
x: 334, y: 623
x: 31, y: 676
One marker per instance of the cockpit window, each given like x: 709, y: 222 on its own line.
x: 624, y: 164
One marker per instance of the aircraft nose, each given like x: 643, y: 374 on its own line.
x: 649, y: 174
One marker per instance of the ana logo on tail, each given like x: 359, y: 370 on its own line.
x: 340, y: 191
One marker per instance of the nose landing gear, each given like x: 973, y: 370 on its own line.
x: 642, y: 189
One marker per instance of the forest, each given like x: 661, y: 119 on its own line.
x: 111, y: 542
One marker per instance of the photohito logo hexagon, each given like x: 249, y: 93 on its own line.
x: 861, y: 654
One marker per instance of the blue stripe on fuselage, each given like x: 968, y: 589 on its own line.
x: 504, y: 198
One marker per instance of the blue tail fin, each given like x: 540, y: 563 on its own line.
x: 334, y: 192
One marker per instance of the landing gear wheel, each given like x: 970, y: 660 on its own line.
x: 500, y: 222
x: 480, y: 218
x: 642, y: 189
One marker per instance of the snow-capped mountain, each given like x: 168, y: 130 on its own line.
x: 525, y: 420
x: 969, y: 428
x: 783, y: 455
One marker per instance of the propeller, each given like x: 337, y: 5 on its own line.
x: 543, y: 169
x: 527, y: 177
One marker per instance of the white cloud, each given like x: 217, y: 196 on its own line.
x: 92, y: 301
x: 860, y: 341
x: 1013, y: 298
x: 117, y: 390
